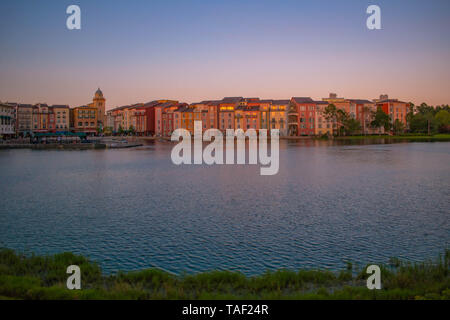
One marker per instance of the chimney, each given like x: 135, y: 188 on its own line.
x: 333, y: 95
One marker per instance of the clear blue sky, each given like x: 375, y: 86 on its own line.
x: 137, y: 51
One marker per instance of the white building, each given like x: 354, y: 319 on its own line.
x: 7, y: 119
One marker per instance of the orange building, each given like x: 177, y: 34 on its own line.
x: 323, y: 125
x: 397, y: 110
x: 43, y: 118
x: 62, y: 117
x: 84, y: 119
x: 305, y: 109
x: 363, y: 111
x: 226, y: 112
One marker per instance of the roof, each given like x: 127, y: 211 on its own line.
x: 320, y: 102
x: 390, y: 100
x: 276, y: 102
x: 232, y: 99
x: 60, y: 106
x: 303, y: 99
x: 360, y: 101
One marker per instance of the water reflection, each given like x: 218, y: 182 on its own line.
x: 329, y: 203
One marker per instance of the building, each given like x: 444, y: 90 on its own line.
x: 62, y: 117
x: 24, y: 119
x: 84, y: 119
x: 363, y: 110
x: 226, y: 112
x: 397, y: 110
x: 323, y: 125
x: 43, y: 118
x: 164, y: 117
x: 145, y: 118
x: 265, y: 114
x: 278, y: 116
x: 305, y: 108
x: 99, y: 102
x: 110, y: 120
x: 7, y: 120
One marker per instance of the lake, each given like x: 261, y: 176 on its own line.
x: 130, y: 209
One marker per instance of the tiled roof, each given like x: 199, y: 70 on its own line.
x: 360, y: 101
x: 232, y: 99
x: 60, y: 106
x: 276, y: 102
x: 303, y: 99
x: 390, y: 100
x: 320, y: 102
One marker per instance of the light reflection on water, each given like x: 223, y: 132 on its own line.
x: 132, y: 208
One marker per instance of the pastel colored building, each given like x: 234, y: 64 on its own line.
x: 305, y: 108
x: 84, y: 119
x: 226, y: 112
x: 62, y: 117
x: 397, y: 110
x: 7, y: 120
x: 43, y: 118
x: 362, y: 110
x: 164, y: 117
x: 278, y: 116
x: 251, y: 118
x: 324, y: 126
x: 24, y: 119
x: 99, y: 102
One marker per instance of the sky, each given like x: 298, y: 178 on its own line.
x: 138, y: 51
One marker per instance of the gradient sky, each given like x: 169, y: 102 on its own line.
x: 138, y: 51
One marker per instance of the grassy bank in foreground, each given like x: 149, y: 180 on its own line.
x: 412, y: 137
x: 44, y: 277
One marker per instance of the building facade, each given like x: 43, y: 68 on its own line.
x: 99, y: 102
x: 24, y: 119
x: 62, y: 117
x: 305, y: 108
x: 84, y: 119
x: 7, y: 120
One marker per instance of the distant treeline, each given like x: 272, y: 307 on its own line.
x: 428, y: 119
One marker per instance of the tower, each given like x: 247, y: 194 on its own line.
x: 99, y: 103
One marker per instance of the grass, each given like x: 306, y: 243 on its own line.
x: 44, y: 277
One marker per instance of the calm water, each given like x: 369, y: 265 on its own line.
x: 132, y: 209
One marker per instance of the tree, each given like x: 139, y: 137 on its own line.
x: 120, y: 131
x: 381, y: 120
x: 443, y: 120
x: 352, y: 125
x: 398, y: 127
x: 132, y: 130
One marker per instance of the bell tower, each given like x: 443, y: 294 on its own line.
x: 99, y: 103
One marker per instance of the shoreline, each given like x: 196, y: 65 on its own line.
x: 44, y: 277
x: 135, y: 141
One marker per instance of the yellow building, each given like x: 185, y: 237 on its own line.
x: 99, y: 102
x: 62, y: 117
x: 84, y: 119
x: 323, y: 125
x: 278, y: 116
